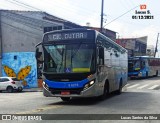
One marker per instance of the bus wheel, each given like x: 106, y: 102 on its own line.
x: 65, y: 98
x: 105, y: 91
x: 146, y: 74
x: 119, y: 91
x: 156, y: 73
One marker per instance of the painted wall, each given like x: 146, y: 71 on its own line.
x: 22, y: 65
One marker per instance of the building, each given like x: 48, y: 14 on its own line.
x: 150, y: 50
x: 20, y: 31
x: 135, y: 46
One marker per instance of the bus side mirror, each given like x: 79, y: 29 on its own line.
x: 37, y: 52
x: 143, y: 64
x: 38, y: 55
x: 99, y: 66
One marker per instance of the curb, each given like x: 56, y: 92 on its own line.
x: 32, y: 90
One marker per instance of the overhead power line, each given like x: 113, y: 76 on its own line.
x: 24, y: 31
x: 19, y: 4
x: 156, y: 46
x: 27, y: 5
x: 24, y: 23
x: 22, y: 4
x: 72, y: 8
x: 121, y: 15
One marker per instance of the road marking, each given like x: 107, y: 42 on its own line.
x: 40, y: 109
x: 127, y: 84
x: 143, y: 86
x: 153, y: 87
x: 132, y: 86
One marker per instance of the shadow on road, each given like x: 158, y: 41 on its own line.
x: 84, y: 101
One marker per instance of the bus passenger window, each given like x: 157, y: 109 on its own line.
x: 51, y: 63
x: 101, y: 55
x: 143, y: 64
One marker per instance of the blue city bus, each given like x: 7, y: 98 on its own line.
x: 82, y: 63
x: 143, y: 66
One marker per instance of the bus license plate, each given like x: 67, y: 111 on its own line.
x: 65, y: 93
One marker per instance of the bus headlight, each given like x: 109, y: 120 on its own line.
x: 89, y: 84
x: 45, y: 85
x: 140, y: 74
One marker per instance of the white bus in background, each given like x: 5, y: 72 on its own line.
x: 82, y: 63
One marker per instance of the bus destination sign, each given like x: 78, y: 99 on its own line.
x: 67, y: 36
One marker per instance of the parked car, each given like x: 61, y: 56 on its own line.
x: 10, y: 84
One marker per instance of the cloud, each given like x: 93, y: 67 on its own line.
x: 117, y: 27
x: 92, y: 19
x: 127, y: 31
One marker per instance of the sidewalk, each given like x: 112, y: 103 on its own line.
x: 32, y: 90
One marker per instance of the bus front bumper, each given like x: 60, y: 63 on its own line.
x: 135, y: 75
x: 89, y: 92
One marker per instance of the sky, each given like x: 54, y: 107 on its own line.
x: 117, y: 14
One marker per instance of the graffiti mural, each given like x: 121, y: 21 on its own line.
x: 21, y: 65
x: 22, y: 74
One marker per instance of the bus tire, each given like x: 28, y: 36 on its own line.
x: 119, y: 91
x: 66, y: 99
x: 105, y: 91
x: 156, y: 73
x: 147, y: 74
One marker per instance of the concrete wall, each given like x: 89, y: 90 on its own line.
x: 21, y: 31
x: 21, y: 65
x: 20, y: 34
x: 134, y: 46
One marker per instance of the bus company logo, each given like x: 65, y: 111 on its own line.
x: 73, y: 85
x: 143, y: 6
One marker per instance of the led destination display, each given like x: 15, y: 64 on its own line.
x: 69, y: 36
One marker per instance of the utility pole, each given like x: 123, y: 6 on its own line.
x: 156, y: 46
x: 0, y: 41
x: 0, y: 36
x: 102, y: 16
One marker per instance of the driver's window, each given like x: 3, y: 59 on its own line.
x: 143, y: 64
x: 101, y: 56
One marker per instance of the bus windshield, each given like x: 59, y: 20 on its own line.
x: 134, y: 65
x: 69, y: 58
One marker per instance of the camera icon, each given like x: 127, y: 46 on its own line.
x: 143, y: 6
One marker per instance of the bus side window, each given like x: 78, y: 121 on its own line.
x: 101, y: 56
x: 143, y: 64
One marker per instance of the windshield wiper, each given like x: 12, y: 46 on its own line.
x: 76, y: 50
x: 62, y: 60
